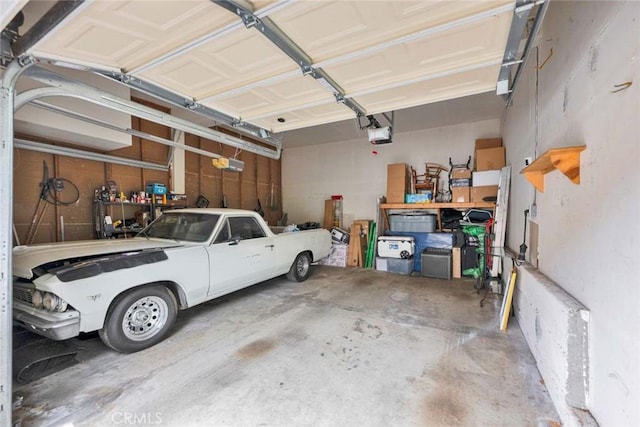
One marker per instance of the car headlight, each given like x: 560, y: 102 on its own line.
x: 51, y: 302
x: 36, y: 299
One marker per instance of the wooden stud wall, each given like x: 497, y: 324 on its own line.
x: 243, y: 189
x: 259, y: 177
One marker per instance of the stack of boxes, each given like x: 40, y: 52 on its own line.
x: 338, y: 253
x: 489, y: 159
x: 398, y: 182
x: 467, y: 186
x: 461, y: 185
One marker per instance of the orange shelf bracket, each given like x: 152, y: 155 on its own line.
x: 566, y: 160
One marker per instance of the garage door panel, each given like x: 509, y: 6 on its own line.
x: 449, y: 87
x: 325, y: 30
x: 294, y: 119
x: 444, y: 52
x: 233, y: 60
x: 185, y: 75
x: 201, y: 51
x: 274, y: 98
x: 133, y: 23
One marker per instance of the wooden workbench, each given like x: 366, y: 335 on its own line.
x: 385, y: 207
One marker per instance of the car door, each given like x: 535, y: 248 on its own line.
x: 240, y: 255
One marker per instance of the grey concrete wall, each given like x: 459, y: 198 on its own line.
x: 556, y: 327
x: 588, y: 233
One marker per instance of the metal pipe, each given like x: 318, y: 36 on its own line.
x: 518, y: 23
x: 62, y: 86
x: 87, y: 155
x: 542, y: 10
x: 7, y: 92
x: 129, y: 131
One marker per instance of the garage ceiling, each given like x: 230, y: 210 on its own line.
x: 284, y: 65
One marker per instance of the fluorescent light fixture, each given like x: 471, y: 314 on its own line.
x: 231, y: 165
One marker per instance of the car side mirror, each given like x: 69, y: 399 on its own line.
x: 234, y: 240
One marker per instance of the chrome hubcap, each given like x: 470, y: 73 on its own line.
x: 145, y: 318
x: 302, y: 266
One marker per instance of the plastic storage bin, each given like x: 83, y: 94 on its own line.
x: 417, y: 223
x: 427, y: 240
x: 156, y: 188
x: 396, y: 246
x: 436, y: 263
x: 395, y: 265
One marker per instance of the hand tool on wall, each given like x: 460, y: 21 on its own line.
x: 523, y: 247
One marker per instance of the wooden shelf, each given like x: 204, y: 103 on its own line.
x: 566, y: 160
x: 385, y: 207
x: 469, y: 205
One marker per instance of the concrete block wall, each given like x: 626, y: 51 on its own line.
x: 588, y: 234
x: 556, y: 327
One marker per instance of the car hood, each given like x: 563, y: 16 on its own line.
x: 26, y: 258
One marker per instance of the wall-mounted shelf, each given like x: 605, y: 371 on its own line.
x: 122, y: 210
x: 566, y: 160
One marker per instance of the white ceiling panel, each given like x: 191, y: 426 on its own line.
x: 434, y: 90
x: 379, y: 55
x: 292, y: 94
x: 311, y: 116
x: 232, y: 60
x: 126, y: 34
x: 454, y: 49
x: 326, y: 29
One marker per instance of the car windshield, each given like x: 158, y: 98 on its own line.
x: 187, y: 226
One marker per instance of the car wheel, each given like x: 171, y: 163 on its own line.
x: 300, y: 269
x: 139, y: 319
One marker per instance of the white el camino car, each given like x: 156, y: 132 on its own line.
x: 130, y: 290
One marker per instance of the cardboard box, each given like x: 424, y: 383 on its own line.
x: 456, y: 263
x: 337, y: 256
x: 461, y: 173
x: 479, y: 193
x: 484, y: 178
x: 490, y: 159
x: 481, y: 144
x: 460, y: 182
x: 398, y: 183
x: 460, y: 195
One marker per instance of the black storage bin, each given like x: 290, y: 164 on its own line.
x: 469, y: 257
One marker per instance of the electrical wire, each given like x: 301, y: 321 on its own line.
x: 55, y: 192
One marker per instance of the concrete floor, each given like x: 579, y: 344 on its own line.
x: 347, y: 347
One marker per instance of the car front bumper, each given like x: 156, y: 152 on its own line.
x: 50, y: 324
